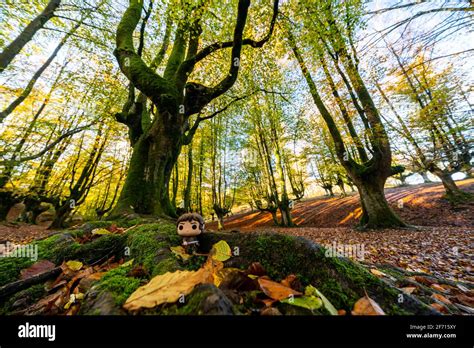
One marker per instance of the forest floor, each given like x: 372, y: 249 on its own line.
x: 442, y: 245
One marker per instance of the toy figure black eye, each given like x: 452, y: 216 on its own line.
x: 181, y: 227
x: 194, y: 227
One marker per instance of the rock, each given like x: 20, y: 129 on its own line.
x: 15, y: 212
x: 98, y: 302
x: 214, y: 301
x: 74, y: 220
x: 46, y: 216
x: 270, y: 311
x: 288, y: 309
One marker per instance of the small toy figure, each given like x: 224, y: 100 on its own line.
x: 190, y: 226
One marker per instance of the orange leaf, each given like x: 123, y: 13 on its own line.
x: 439, y: 307
x: 438, y: 287
x: 276, y: 290
x: 441, y: 298
x: 367, y: 306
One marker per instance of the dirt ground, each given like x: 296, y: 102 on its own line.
x: 420, y: 205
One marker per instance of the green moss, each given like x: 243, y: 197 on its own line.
x: 149, y: 246
x: 119, y: 284
x: 10, y: 268
x: 167, y: 265
x: 192, y: 306
x: 31, y: 295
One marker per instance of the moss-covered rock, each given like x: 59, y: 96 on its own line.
x: 22, y: 299
x: 341, y: 280
x: 205, y: 299
x: 149, y: 245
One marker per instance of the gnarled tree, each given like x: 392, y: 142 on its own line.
x: 156, y: 149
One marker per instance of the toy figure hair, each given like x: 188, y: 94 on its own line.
x: 191, y: 217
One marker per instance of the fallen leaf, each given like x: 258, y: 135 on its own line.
x: 308, y: 302
x: 36, y: 268
x: 367, y: 306
x: 408, y: 290
x: 256, y: 269
x: 441, y: 298
x: 377, y: 273
x: 128, y: 263
x: 100, y: 232
x: 268, y: 302
x: 312, y: 291
x: 167, y: 288
x: 439, y: 307
x: 270, y: 311
x: 464, y: 299
x: 224, y: 273
x: 437, y: 287
x: 424, y: 280
x: 221, y: 251
x: 74, y: 265
x: 275, y: 290
x: 292, y: 281
x: 180, y: 252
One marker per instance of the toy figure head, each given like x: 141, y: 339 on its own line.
x: 190, y: 225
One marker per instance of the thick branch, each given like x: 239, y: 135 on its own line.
x: 131, y: 64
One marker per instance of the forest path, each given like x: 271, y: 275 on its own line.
x: 423, y: 205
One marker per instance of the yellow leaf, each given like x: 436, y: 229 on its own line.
x: 128, y: 263
x: 74, y: 265
x: 377, y: 273
x: 221, y: 251
x: 100, y: 231
x: 180, y: 252
x: 367, y: 306
x: 167, y: 288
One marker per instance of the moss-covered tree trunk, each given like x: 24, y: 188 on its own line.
x: 369, y: 176
x: 452, y: 190
x: 375, y: 209
x: 146, y: 188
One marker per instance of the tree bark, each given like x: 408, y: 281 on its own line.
x: 146, y: 187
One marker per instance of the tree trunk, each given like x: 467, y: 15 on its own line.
x: 286, y: 219
x: 27, y: 34
x: 376, y: 212
x: 146, y: 188
x: 452, y: 190
x: 61, y: 215
x: 189, y: 181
